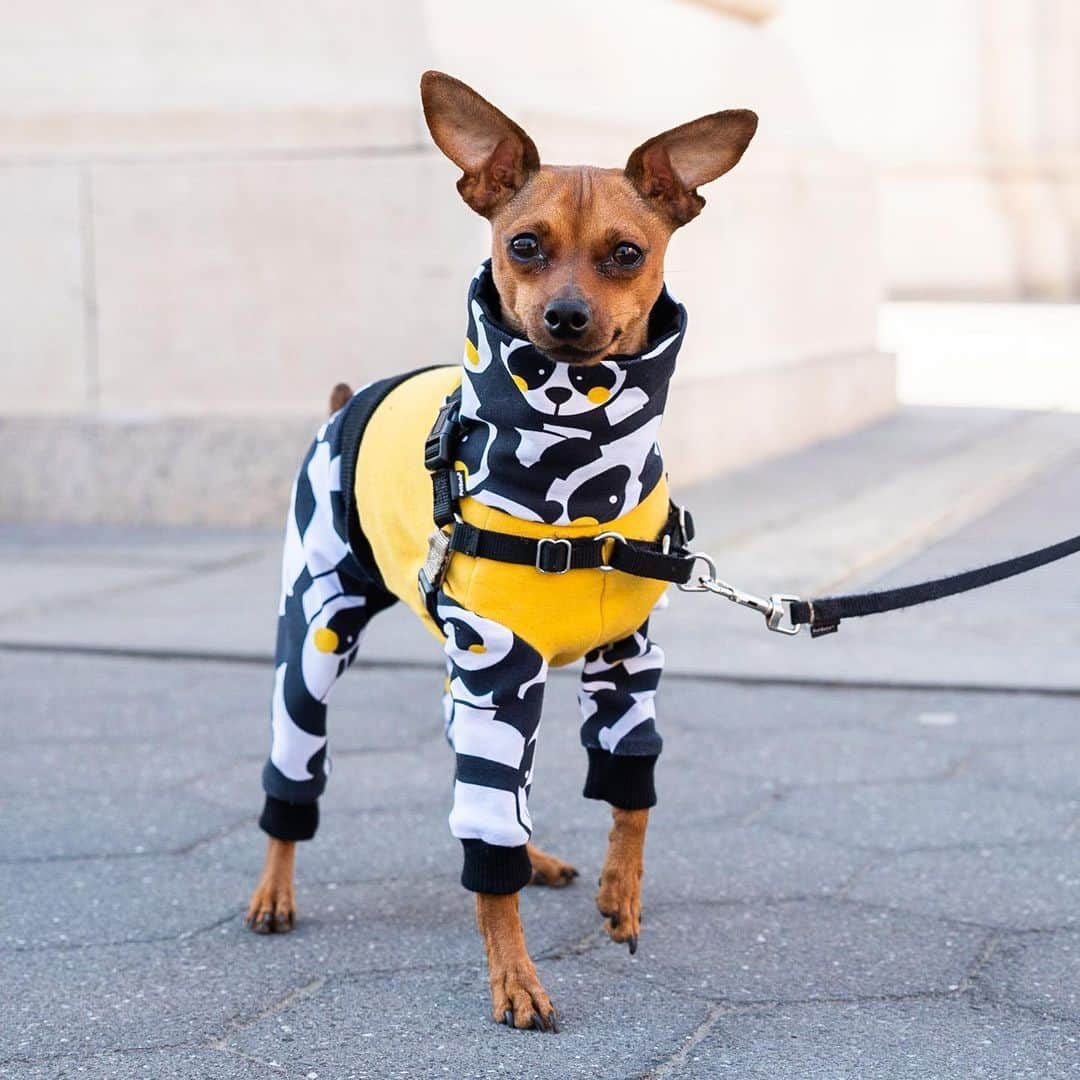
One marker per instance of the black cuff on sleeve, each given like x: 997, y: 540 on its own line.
x: 492, y: 869
x: 622, y: 780
x: 288, y: 820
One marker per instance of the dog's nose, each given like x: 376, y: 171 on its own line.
x: 567, y: 318
x: 559, y: 395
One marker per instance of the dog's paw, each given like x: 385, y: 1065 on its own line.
x: 619, y: 901
x: 519, y: 1001
x: 272, y: 908
x: 548, y: 870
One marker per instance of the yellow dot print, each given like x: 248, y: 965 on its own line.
x: 598, y: 395
x: 521, y: 384
x: 325, y: 639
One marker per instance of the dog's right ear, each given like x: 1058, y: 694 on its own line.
x: 495, y: 155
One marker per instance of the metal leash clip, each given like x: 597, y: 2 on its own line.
x: 775, y: 609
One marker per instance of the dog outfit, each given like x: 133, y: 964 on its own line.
x: 546, y: 450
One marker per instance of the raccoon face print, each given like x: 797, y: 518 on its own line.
x: 561, y: 389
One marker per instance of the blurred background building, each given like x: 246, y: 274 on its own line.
x: 214, y: 212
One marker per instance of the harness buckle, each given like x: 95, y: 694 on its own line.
x: 606, y: 567
x: 433, y: 571
x: 703, y: 584
x: 553, y: 555
x: 686, y: 526
x: 440, y: 444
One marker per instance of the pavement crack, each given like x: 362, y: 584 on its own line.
x: 272, y: 1066
x: 586, y: 944
x: 151, y: 939
x: 760, y: 809
x: 147, y: 853
x: 671, y: 1065
x: 856, y: 875
x: 239, y: 1023
x: 81, y: 1054
x: 981, y: 960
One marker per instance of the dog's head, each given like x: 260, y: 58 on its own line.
x: 578, y: 252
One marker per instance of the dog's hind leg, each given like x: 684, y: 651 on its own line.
x: 549, y: 870
x: 618, y: 687
x: 327, y: 600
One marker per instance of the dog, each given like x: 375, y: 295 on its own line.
x: 571, y: 340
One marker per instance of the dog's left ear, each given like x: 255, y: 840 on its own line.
x: 494, y: 153
x: 668, y: 169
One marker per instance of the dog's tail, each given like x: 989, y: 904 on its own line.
x: 339, y: 396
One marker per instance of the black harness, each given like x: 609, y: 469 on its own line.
x: 667, y: 558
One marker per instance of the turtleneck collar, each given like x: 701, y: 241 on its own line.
x: 546, y: 440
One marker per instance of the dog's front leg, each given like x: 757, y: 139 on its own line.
x: 272, y: 908
x: 618, y: 687
x: 619, y: 898
x: 495, y: 693
x: 517, y: 997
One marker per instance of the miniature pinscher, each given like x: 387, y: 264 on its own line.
x: 571, y: 339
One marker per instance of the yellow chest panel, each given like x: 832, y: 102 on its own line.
x: 562, y: 616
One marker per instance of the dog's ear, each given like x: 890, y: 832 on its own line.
x: 495, y: 155
x: 669, y: 167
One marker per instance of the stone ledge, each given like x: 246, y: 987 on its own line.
x: 231, y: 471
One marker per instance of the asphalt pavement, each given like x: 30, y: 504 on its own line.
x: 865, y: 862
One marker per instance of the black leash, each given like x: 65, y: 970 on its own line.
x: 789, y: 614
x: 669, y: 557
x: 823, y: 615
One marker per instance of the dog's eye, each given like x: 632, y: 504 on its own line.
x: 627, y: 255
x: 525, y: 246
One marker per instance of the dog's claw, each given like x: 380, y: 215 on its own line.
x: 508, y: 1018
x: 537, y: 1023
x: 614, y: 922
x: 264, y: 925
x: 552, y: 1022
x: 633, y: 944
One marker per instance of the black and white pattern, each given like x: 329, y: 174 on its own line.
x: 495, y: 692
x: 617, y: 696
x: 545, y: 440
x: 584, y: 451
x: 327, y: 599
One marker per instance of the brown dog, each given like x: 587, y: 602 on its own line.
x: 578, y: 264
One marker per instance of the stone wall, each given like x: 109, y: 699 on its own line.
x: 215, y: 212
x: 968, y: 113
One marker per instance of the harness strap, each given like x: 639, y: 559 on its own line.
x: 550, y: 555
x: 356, y: 414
